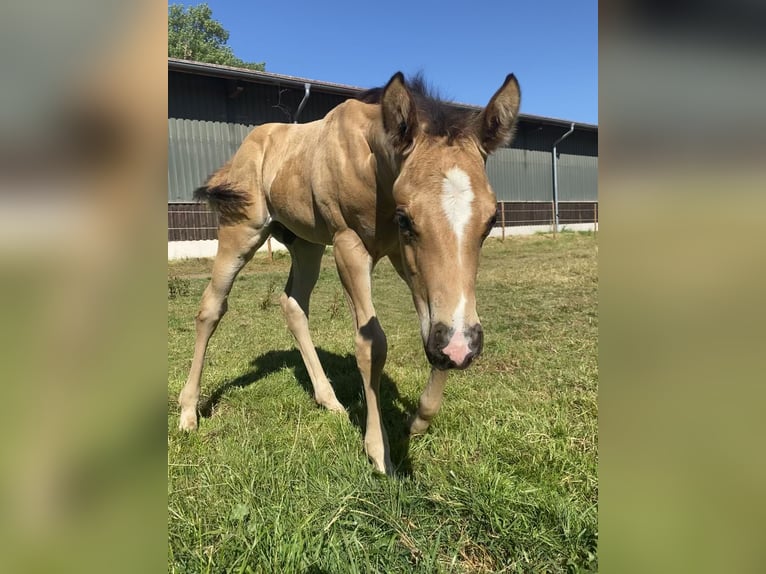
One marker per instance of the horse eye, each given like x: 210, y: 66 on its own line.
x: 405, y: 223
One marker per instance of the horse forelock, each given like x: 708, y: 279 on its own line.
x: 438, y: 117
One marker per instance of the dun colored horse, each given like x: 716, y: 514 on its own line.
x: 395, y: 173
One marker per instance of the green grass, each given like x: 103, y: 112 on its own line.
x: 504, y: 480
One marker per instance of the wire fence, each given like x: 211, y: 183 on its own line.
x: 523, y: 213
x: 195, y: 221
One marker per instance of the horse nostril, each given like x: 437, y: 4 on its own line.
x: 476, y: 337
x: 438, y: 337
x: 440, y: 334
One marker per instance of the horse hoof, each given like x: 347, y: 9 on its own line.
x: 332, y: 405
x: 385, y: 469
x: 188, y: 422
x: 418, y: 426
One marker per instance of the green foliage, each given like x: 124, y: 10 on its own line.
x: 267, y: 302
x: 336, y: 304
x: 177, y: 287
x: 193, y: 34
x: 504, y: 480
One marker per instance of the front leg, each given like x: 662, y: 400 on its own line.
x: 430, y: 402
x: 355, y: 267
x: 431, y: 399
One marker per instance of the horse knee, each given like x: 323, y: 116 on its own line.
x: 371, y: 344
x: 211, y: 311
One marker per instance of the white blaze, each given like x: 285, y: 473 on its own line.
x: 457, y: 197
x: 458, y: 317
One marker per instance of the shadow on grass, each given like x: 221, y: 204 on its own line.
x: 347, y: 383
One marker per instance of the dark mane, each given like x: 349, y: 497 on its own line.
x: 442, y: 118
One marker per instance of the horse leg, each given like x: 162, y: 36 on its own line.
x: 355, y: 267
x: 236, y: 246
x: 430, y: 402
x: 304, y: 272
x: 433, y: 395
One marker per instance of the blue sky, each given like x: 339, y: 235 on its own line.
x: 464, y: 48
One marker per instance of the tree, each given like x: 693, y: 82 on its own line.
x: 193, y: 34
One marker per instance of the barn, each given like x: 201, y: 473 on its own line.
x: 212, y: 108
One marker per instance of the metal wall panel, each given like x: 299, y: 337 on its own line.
x: 578, y: 177
x: 195, y: 150
x: 209, y: 117
x: 520, y: 175
x: 527, y: 175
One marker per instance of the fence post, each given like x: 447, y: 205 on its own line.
x: 553, y: 219
x: 595, y: 218
x: 268, y: 247
x: 502, y: 219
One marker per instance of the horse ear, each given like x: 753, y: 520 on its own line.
x: 400, y: 117
x: 498, y: 120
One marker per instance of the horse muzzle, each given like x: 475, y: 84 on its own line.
x: 447, y: 348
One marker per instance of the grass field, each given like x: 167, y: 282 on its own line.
x: 503, y: 481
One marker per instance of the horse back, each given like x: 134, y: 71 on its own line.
x: 321, y: 177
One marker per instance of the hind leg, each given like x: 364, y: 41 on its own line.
x: 304, y: 272
x: 236, y: 246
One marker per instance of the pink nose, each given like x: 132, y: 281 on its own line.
x: 457, y: 348
x: 449, y: 348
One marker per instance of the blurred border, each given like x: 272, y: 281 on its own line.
x: 681, y: 182
x: 82, y: 232
x: 83, y: 154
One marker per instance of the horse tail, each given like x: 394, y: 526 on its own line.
x: 223, y: 196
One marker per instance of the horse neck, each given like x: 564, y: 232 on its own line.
x: 388, y: 164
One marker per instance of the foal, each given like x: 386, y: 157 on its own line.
x: 395, y: 173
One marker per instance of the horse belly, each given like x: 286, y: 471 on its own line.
x: 292, y: 204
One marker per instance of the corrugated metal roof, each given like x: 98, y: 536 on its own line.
x: 220, y: 71
x: 199, y: 97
